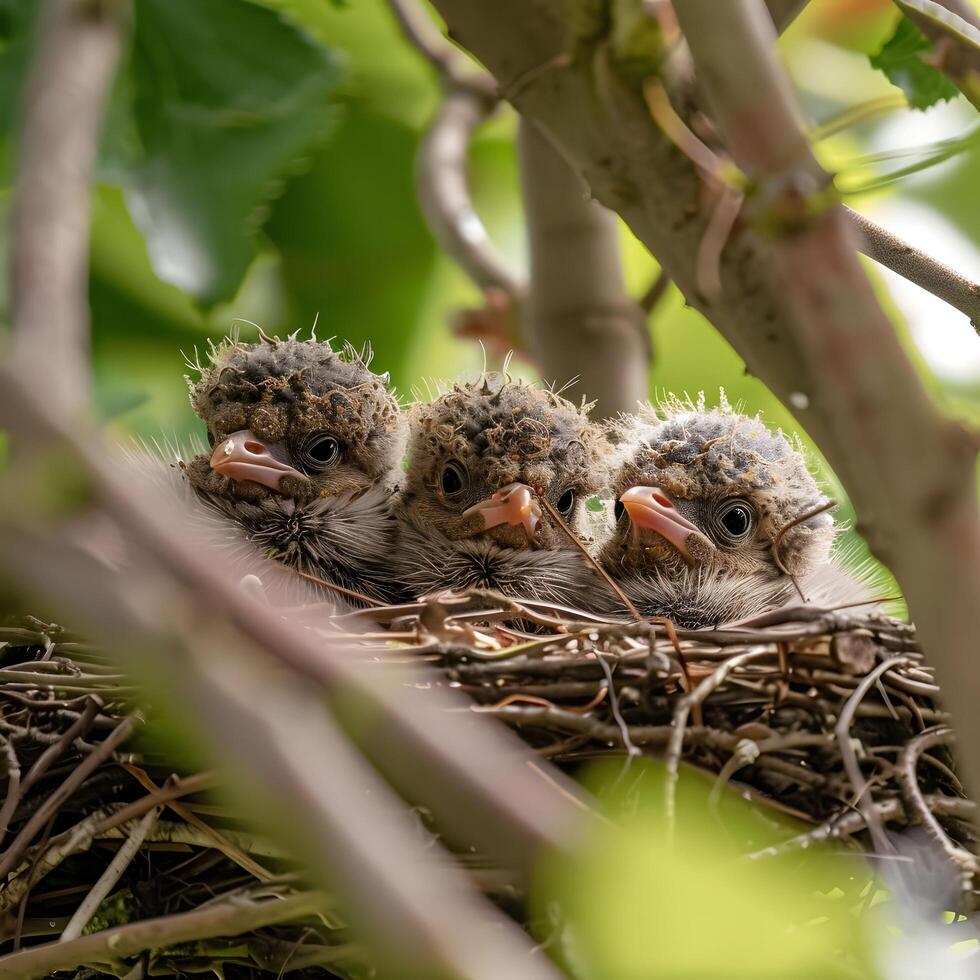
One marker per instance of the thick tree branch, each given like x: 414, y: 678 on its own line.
x: 898, y: 255
x: 78, y: 48
x: 579, y: 319
x: 826, y: 347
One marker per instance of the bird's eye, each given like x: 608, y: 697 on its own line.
x: 453, y: 479
x: 320, y: 453
x: 566, y: 502
x: 735, y: 521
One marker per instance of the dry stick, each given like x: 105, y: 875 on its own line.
x: 74, y: 63
x: 679, y: 724
x: 350, y: 593
x: 850, y: 822
x: 107, y: 880
x: 842, y: 732
x: 12, y: 855
x: 778, y: 540
x: 219, y: 840
x: 14, y: 791
x: 915, y: 805
x: 79, y: 729
x: 114, y: 947
x: 573, y: 537
x: 80, y: 836
x: 909, y: 262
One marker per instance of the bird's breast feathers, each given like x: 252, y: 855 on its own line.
x: 429, y: 562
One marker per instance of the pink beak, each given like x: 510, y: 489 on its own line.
x: 650, y: 508
x: 514, y: 504
x: 241, y: 456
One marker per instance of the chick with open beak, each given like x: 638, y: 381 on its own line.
x: 306, y: 446
x: 716, y: 516
x: 490, y: 464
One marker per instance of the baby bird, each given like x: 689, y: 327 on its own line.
x: 306, y: 444
x: 481, y: 458
x: 716, y: 516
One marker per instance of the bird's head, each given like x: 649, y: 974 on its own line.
x: 483, y: 455
x: 716, y: 492
x: 293, y: 420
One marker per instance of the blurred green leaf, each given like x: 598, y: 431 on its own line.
x: 640, y: 902
x: 228, y: 97
x: 355, y: 250
x: 900, y: 60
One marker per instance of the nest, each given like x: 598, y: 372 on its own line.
x: 829, y: 716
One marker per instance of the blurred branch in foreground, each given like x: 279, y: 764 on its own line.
x: 238, y: 672
x: 840, y: 367
x: 576, y: 291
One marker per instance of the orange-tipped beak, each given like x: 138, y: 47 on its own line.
x: 651, y: 509
x: 514, y: 504
x: 242, y: 456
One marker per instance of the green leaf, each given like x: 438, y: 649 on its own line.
x: 594, y: 504
x: 228, y: 98
x: 900, y: 60
x: 641, y: 898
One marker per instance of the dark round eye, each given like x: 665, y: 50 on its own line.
x: 566, y: 502
x: 319, y: 453
x: 735, y: 521
x: 619, y: 508
x: 453, y: 479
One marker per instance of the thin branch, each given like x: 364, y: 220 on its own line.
x: 75, y: 61
x: 115, y: 947
x: 121, y: 860
x: 909, y: 262
x: 12, y: 855
x: 444, y: 195
x: 422, y: 34
x: 842, y: 732
x: 916, y: 807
